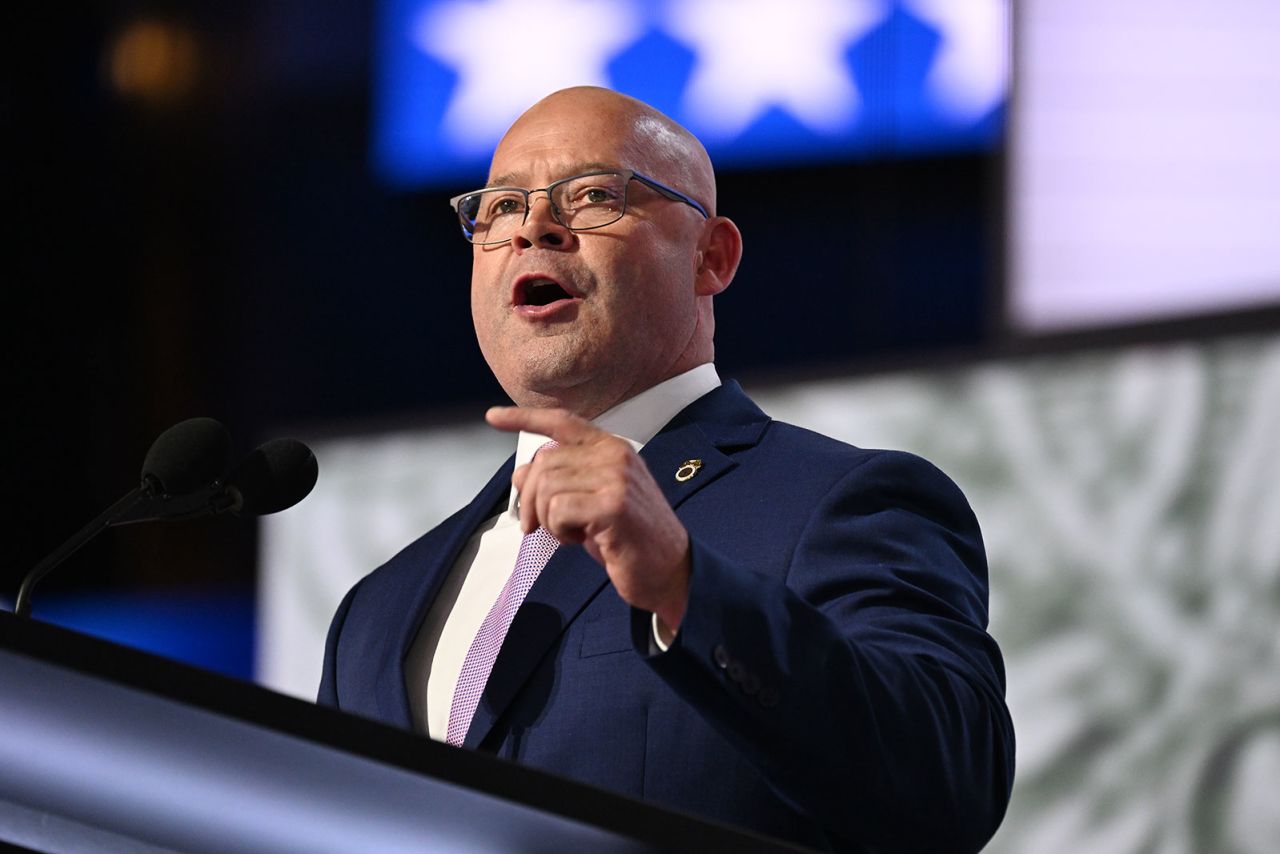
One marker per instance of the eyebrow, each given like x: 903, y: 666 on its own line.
x: 510, y: 179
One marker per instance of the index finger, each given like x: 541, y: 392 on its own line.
x: 559, y: 424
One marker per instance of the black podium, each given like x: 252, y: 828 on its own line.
x: 103, y: 748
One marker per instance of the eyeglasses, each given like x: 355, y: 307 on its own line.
x: 580, y: 203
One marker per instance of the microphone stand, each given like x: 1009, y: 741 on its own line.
x: 182, y: 459
x: 23, y: 606
x: 140, y: 505
x: 276, y: 475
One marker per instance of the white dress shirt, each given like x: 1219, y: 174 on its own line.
x: 435, y: 659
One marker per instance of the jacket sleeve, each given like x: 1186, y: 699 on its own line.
x: 860, y: 679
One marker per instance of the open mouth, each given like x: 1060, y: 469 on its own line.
x: 539, y: 291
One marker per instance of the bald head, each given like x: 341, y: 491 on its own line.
x: 586, y: 318
x: 651, y: 141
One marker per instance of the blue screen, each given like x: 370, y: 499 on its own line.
x: 761, y: 82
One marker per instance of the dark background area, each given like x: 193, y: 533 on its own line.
x: 224, y: 250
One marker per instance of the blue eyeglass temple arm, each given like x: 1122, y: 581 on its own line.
x: 674, y: 195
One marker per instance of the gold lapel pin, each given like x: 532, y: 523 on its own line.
x: 687, y: 470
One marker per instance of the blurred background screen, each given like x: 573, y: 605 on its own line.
x: 761, y: 83
x: 1143, y: 162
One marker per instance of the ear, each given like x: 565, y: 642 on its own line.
x: 719, y: 252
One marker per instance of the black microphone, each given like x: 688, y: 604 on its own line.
x: 273, y: 477
x: 182, y: 459
x: 186, y: 457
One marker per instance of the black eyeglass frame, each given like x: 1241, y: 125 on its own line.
x: 628, y: 174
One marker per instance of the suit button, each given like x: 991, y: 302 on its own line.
x: 736, y: 671
x: 768, y: 697
x: 750, y: 684
x: 721, y: 656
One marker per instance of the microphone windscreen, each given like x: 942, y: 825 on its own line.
x: 189, y: 455
x: 276, y: 476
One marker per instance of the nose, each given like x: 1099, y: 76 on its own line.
x: 541, y: 229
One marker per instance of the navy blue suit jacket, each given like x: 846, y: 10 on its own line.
x: 832, y: 682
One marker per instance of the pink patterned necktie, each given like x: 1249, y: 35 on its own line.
x: 535, y: 550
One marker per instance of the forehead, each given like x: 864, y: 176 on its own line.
x: 550, y: 144
x: 522, y: 178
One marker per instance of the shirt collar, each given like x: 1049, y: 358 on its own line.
x: 637, y: 419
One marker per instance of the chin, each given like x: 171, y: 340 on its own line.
x: 541, y: 389
x: 563, y: 391
x: 554, y: 376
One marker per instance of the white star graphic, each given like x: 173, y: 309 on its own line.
x: 970, y: 74
x: 757, y: 54
x: 510, y: 53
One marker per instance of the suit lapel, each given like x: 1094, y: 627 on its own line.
x: 429, y: 566
x: 720, y: 421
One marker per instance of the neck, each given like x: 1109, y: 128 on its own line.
x: 591, y: 399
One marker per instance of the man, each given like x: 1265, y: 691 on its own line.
x: 738, y: 618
